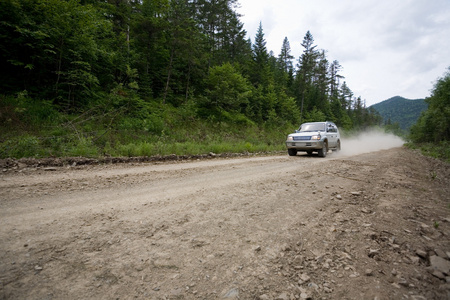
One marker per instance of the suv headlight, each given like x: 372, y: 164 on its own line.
x: 316, y: 137
x: 290, y: 138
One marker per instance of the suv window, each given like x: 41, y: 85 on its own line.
x: 312, y: 127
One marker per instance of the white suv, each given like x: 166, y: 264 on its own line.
x: 314, y: 137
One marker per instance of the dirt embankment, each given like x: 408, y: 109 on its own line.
x: 370, y: 226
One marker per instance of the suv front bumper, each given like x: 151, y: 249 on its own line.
x: 304, y: 145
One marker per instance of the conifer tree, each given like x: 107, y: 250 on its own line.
x: 285, y: 57
x: 261, y: 58
x: 320, y: 98
x: 346, y: 96
x: 335, y: 67
x: 306, y: 65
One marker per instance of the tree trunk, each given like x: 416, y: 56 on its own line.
x: 59, y: 68
x: 187, y: 83
x: 169, y: 73
x: 301, y: 109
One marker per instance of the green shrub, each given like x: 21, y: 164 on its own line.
x: 439, y: 150
x: 24, y: 146
x: 84, y: 147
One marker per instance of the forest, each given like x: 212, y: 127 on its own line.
x: 157, y: 77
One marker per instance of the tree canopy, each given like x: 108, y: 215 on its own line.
x: 434, y: 123
x: 79, y: 53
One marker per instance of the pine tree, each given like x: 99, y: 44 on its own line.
x: 261, y: 58
x: 320, y: 99
x: 346, y: 96
x: 306, y: 65
x: 285, y: 57
x: 335, y: 67
x: 259, y: 48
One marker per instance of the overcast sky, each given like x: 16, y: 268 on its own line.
x: 386, y: 47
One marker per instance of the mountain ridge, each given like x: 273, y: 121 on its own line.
x: 401, y: 110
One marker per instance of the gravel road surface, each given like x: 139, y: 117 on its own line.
x: 367, y: 226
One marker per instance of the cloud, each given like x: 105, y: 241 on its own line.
x: 386, y: 48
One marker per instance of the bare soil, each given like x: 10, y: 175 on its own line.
x: 369, y: 226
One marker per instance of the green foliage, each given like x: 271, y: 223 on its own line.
x: 395, y: 129
x: 226, y: 89
x: 56, y: 47
x: 286, y: 109
x: 434, y: 124
x: 25, y: 114
x: 433, y: 175
x: 439, y: 150
x: 84, y: 147
x: 24, y: 146
x: 157, y: 130
x: 314, y: 115
x: 436, y: 224
x: 90, y: 78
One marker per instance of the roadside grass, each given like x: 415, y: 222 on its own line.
x: 440, y: 150
x: 190, y: 148
x: 39, y: 147
x: 31, y: 130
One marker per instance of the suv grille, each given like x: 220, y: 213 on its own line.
x: 302, y: 138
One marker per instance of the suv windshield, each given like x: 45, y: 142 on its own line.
x: 312, y: 127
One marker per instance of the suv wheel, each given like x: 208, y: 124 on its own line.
x: 338, y: 146
x: 292, y: 152
x: 324, y: 150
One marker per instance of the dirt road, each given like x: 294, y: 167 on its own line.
x: 369, y: 226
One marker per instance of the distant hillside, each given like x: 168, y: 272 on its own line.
x: 401, y: 110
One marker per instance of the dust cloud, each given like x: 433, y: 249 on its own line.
x: 369, y: 141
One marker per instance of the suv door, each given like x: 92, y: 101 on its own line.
x: 332, y: 135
